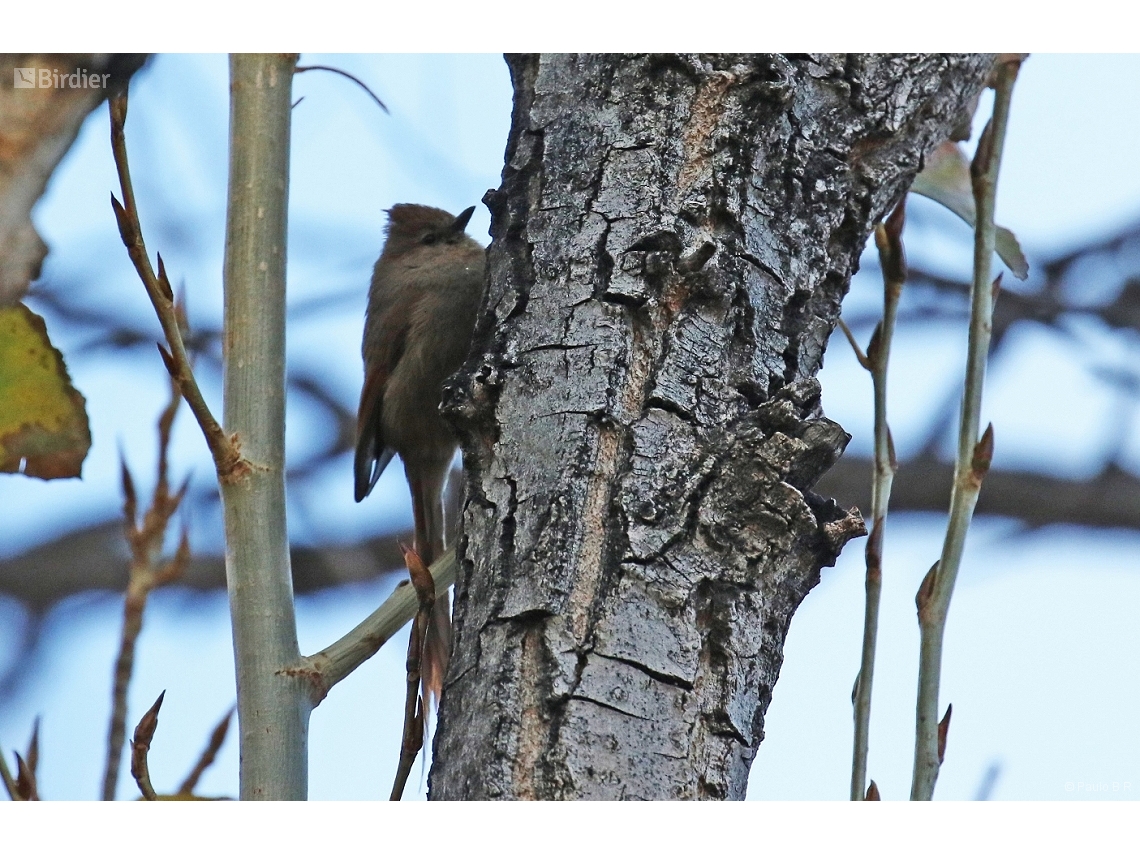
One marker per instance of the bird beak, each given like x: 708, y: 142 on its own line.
x: 460, y: 224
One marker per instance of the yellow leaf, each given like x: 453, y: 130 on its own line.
x: 43, y: 422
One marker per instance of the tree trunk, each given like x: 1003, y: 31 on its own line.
x: 641, y: 426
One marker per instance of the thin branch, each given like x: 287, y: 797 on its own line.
x: 989, y: 781
x: 46, y: 574
x: 892, y: 258
x: 1111, y: 499
x: 859, y: 354
x: 974, y: 454
x: 6, y: 777
x: 325, y: 669
x: 300, y: 69
x: 227, y: 459
x: 209, y: 754
x: 144, y: 575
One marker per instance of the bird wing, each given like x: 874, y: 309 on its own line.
x: 383, y: 352
x: 372, y: 456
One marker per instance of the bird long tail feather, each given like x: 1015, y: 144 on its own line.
x: 427, y: 507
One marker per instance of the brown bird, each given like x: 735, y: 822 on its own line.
x: 425, y: 294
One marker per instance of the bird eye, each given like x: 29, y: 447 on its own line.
x: 428, y: 239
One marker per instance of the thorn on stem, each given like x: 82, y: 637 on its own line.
x: 26, y: 789
x: 943, y: 732
x: 167, y: 360
x: 873, y: 552
x: 123, y: 221
x: 130, y: 498
x: 163, y: 281
x: 874, y: 347
x: 983, y: 454
x: 980, y: 165
x: 926, y: 590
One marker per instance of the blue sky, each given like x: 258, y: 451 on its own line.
x: 1042, y: 638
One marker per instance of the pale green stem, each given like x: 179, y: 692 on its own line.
x: 882, y: 477
x: 323, y: 670
x: 967, y: 481
x: 273, y: 710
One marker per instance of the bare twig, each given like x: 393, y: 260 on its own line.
x: 974, y: 454
x: 209, y: 754
x: 23, y: 787
x: 413, y: 736
x: 140, y: 746
x: 892, y: 258
x: 989, y: 781
x: 859, y: 354
x: 145, y: 540
x: 6, y: 777
x: 26, y: 788
x: 227, y: 459
x: 325, y: 669
x: 303, y: 68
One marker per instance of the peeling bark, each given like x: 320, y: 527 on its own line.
x: 641, y: 423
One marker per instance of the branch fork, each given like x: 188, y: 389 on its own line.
x: 225, y: 449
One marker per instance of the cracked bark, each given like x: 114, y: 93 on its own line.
x: 641, y: 422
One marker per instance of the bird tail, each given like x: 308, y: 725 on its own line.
x: 437, y: 648
x: 426, y: 485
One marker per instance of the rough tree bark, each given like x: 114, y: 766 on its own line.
x: 642, y: 427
